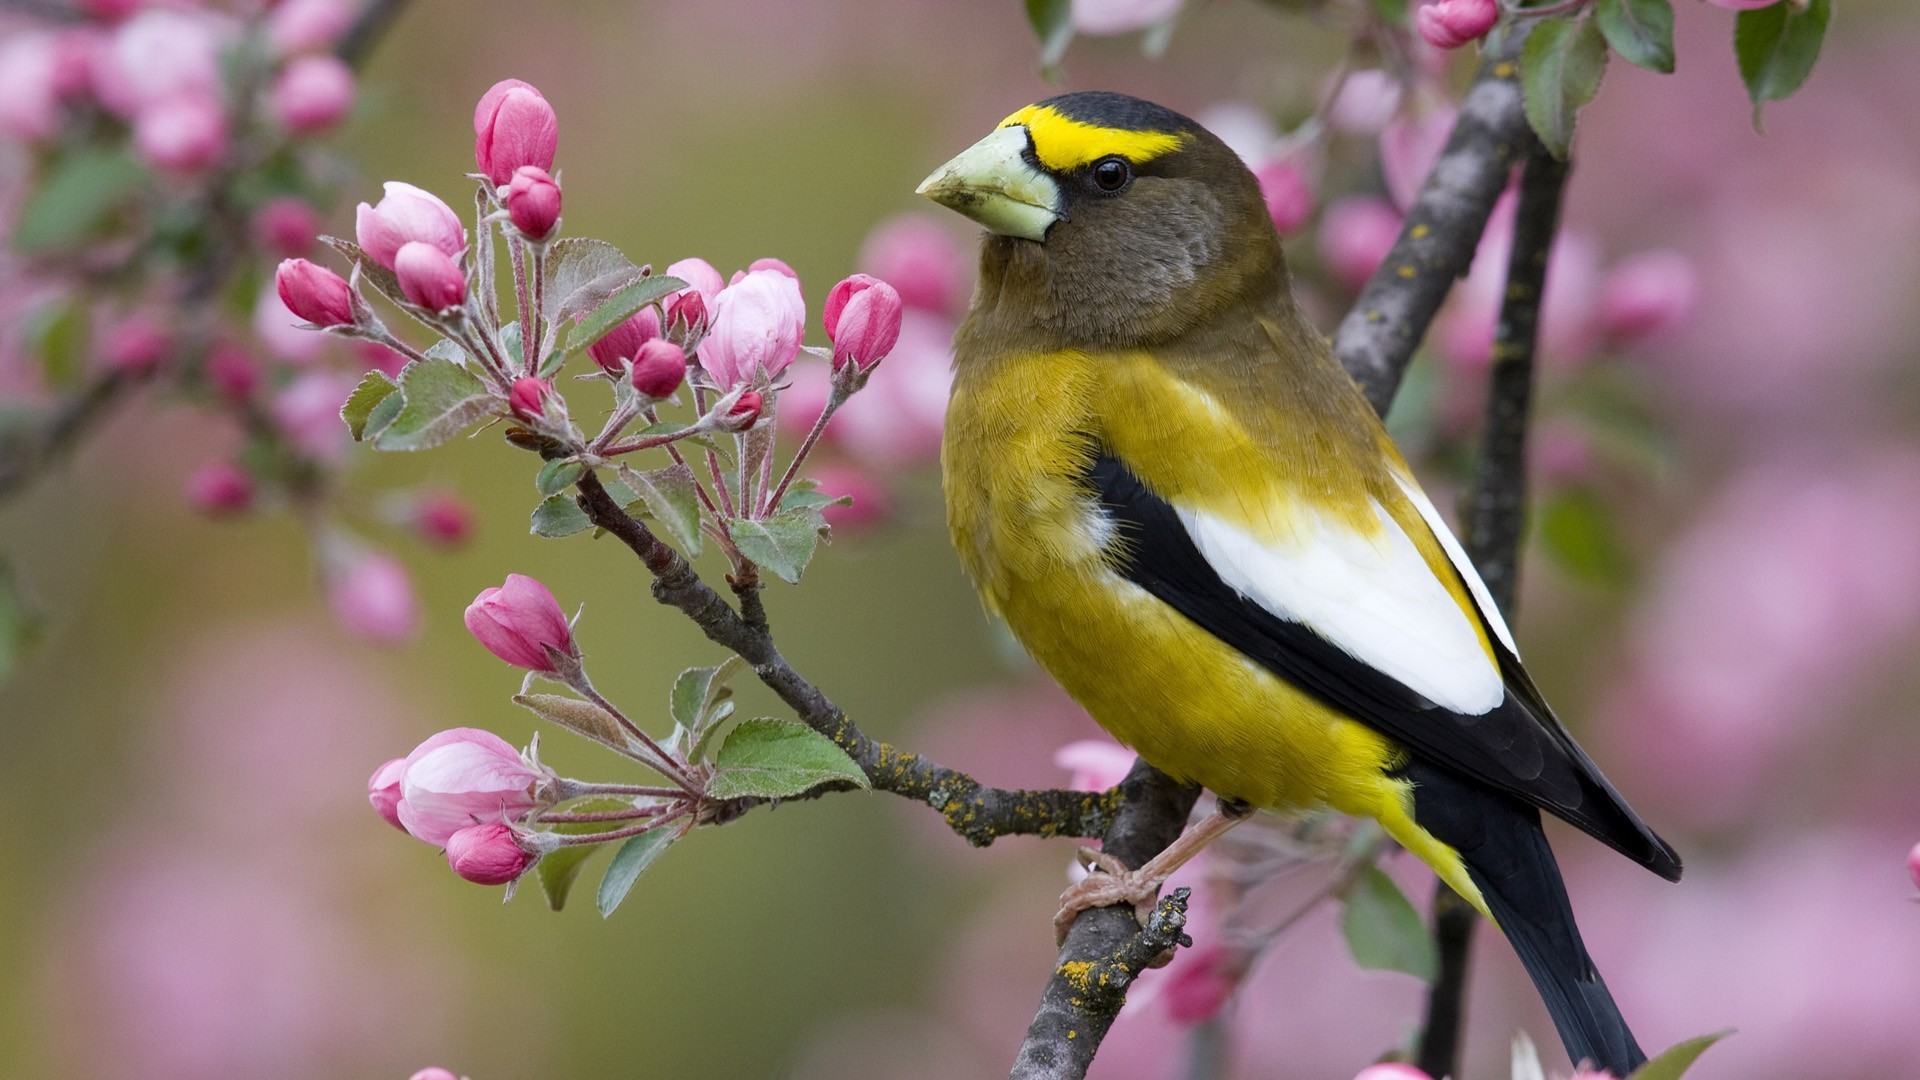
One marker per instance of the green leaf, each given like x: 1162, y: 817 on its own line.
x: 1578, y: 530
x: 558, y: 516
x: 372, y: 273
x: 1674, y: 1061
x: 618, y: 308
x: 633, y: 857
x: 583, y: 718
x: 783, y: 542
x: 374, y: 389
x: 1560, y: 69
x: 558, y: 475
x: 672, y: 498
x: 76, y: 200
x: 57, y: 334
x: 773, y: 759
x: 581, y: 274
x: 1639, y: 30
x: 442, y: 399
x: 1777, y: 47
x: 811, y: 499
x: 1391, y: 12
x: 20, y: 623
x: 558, y: 868
x: 699, y: 701
x: 1052, y: 22
x: 1383, y: 930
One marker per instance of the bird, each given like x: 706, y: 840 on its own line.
x: 1163, y: 482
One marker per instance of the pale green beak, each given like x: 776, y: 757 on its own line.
x: 993, y: 183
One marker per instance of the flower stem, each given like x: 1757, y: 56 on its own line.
x: 582, y: 817
x: 666, y: 764
x: 800, y: 455
x: 572, y: 840
x: 523, y: 299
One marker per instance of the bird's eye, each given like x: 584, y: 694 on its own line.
x: 1111, y: 174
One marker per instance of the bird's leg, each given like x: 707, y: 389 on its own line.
x: 1109, y: 881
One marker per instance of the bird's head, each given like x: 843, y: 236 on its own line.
x: 1116, y: 215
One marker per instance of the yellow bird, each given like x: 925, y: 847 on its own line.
x: 1182, y: 506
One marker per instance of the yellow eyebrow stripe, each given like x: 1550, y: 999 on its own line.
x: 1063, y: 143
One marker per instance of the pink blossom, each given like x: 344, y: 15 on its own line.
x: 757, y: 326
x: 1648, y: 294
x: 406, y: 214
x: 307, y: 412
x: 769, y: 263
x: 1096, y: 764
x: 232, y: 372
x: 109, y: 10
x: 157, y: 56
x: 530, y: 398
x: 513, y: 126
x: 804, y: 399
x: 434, y: 1072
x: 1741, y: 5
x: 701, y: 277
x: 298, y: 26
x: 1288, y: 196
x: 1569, y: 329
x: 1449, y: 24
x: 1356, y: 233
x: 314, y: 293
x: 429, y: 277
x: 374, y: 356
x: 383, y: 791
x: 921, y: 258
x: 1409, y: 147
x: 372, y: 596
x: 871, y: 501
x: 744, y: 412
x: 622, y: 343
x: 1913, y: 865
x: 286, y: 225
x: 488, y: 854
x: 443, y: 519
x: 519, y: 622
x: 1100, y: 17
x: 29, y: 94
x: 533, y: 202
x: 687, y: 318
x: 1246, y: 129
x: 185, y: 134
x: 1201, y: 986
x: 659, y: 368
x: 1365, y: 102
x: 311, y: 94
x: 220, y: 487
x: 862, y: 317
x: 137, y: 344
x: 284, y: 334
x: 897, y: 420
x: 462, y: 777
x: 1392, y: 1071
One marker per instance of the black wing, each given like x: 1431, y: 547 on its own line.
x: 1517, y: 747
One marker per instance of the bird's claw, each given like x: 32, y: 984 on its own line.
x: 1108, y: 881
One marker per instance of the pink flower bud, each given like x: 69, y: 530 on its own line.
x: 687, y: 318
x: 1356, y: 233
x: 298, y: 26
x: 286, y: 226
x: 770, y: 263
x: 315, y: 293
x: 1200, y: 982
x: 1366, y: 101
x: 1648, y: 294
x: 488, y: 854
x: 1409, y: 147
x: 1391, y: 1071
x: 757, y: 326
x: 406, y: 214
x: 384, y: 359
x: 160, y: 55
x: 533, y: 202
x: 744, y: 412
x: 284, y: 335
x: 921, y: 259
x: 219, y: 488
x: 1096, y: 764
x: 701, y: 277
x: 623, y: 342
x: 659, y: 369
x: 307, y: 412
x: 1913, y: 865
x: 109, y: 10
x: 383, y: 791
x: 519, y: 622
x: 442, y: 519
x: 513, y: 126
x: 1450, y: 24
x: 462, y: 777
x: 429, y: 277
x: 804, y: 399
x: 311, y: 94
x: 1742, y: 5
x: 528, y: 398
x: 137, y: 345
x: 373, y: 598
x: 863, y: 321
x: 1288, y: 196
x: 29, y: 93
x: 183, y: 134
x: 232, y: 373
x: 871, y: 503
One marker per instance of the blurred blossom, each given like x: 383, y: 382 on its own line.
x: 758, y: 322
x: 1356, y: 233
x: 311, y: 94
x: 279, y: 329
x: 137, y: 344
x: 1288, y: 195
x: 1569, y: 332
x: 286, y: 226
x: 232, y: 372
x: 297, y: 26
x: 29, y: 99
x: 372, y: 596
x: 1096, y: 764
x: 308, y: 414
x: 513, y: 126
x: 803, y: 400
x: 1449, y: 24
x: 406, y: 214
x: 1203, y: 983
x: 871, y: 502
x: 434, y: 1072
x: 487, y: 854
x: 158, y: 56
x: 921, y: 258
x: 1391, y: 1071
x: 1648, y: 294
x: 1562, y: 455
x: 1741, y: 5
x: 1365, y: 102
x: 383, y: 791
x: 1409, y: 146
x: 1120, y: 16
x: 443, y: 519
x: 219, y: 487
x: 185, y: 133
x: 377, y: 357
x: 1246, y: 129
x: 1913, y: 865
x: 897, y: 420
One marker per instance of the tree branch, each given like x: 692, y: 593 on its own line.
x: 977, y: 812
x: 1495, y: 519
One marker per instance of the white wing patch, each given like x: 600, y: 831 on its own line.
x: 1373, y: 597
x: 1458, y: 556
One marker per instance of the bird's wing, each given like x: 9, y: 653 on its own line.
x: 1364, y: 623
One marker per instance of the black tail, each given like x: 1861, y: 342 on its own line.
x: 1507, y: 856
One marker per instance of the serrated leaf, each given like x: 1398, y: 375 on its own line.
x: 557, y: 476
x: 1052, y: 22
x: 76, y: 200
x: 558, y: 869
x: 699, y: 701
x: 1674, y: 1061
x: 558, y: 516
x: 783, y: 542
x: 1639, y: 30
x: 672, y: 498
x: 1578, y: 531
x: 634, y: 856
x: 374, y: 389
x: 381, y: 278
x: 814, y: 500
x: 1777, y: 47
x: 441, y: 400
x: 580, y: 717
x: 770, y: 759
x: 1383, y: 930
x: 1560, y: 69
x: 581, y: 274
x: 618, y: 308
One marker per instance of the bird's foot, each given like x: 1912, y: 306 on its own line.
x: 1108, y: 881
